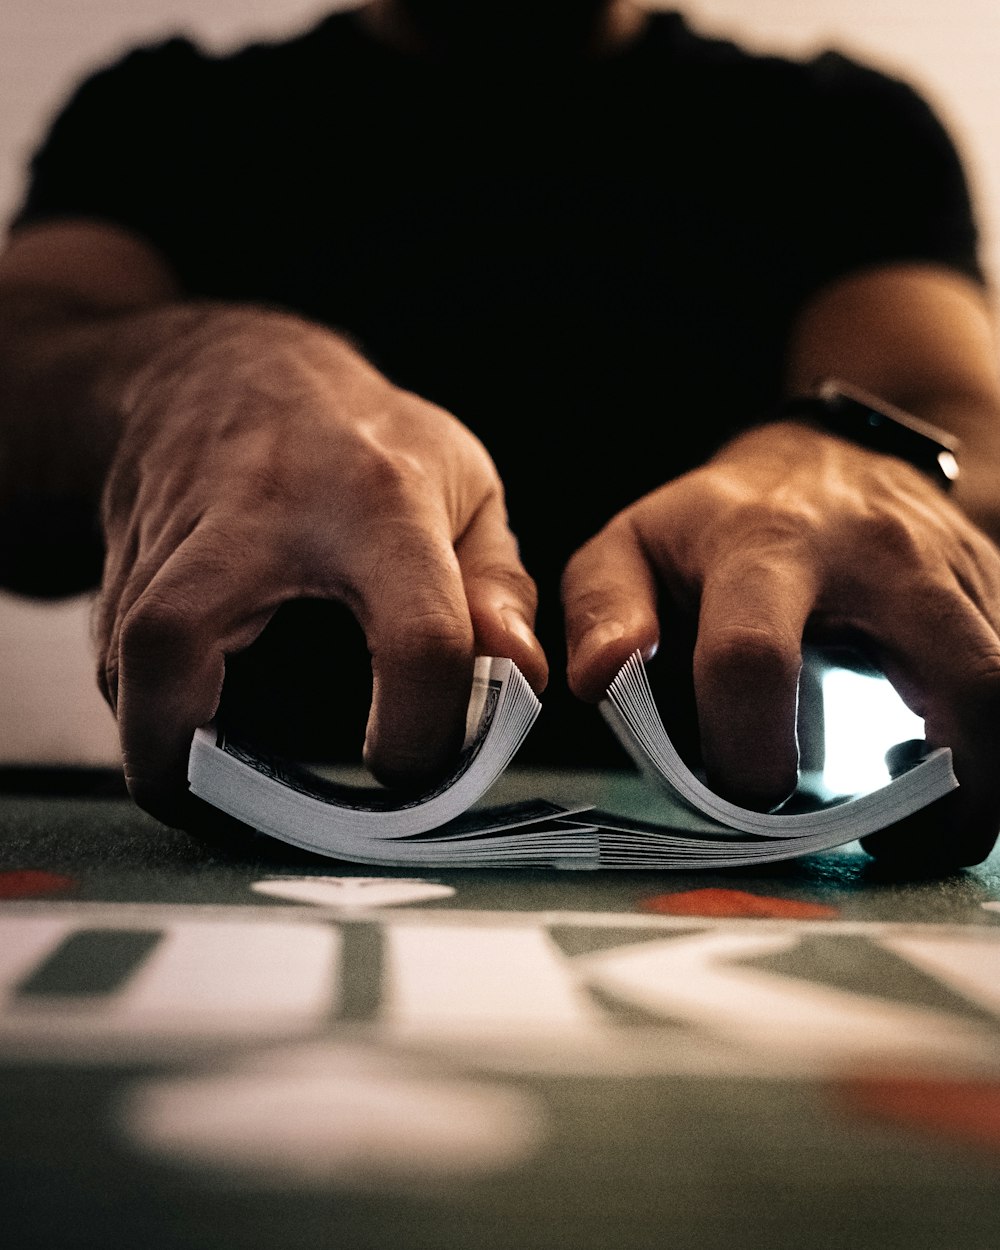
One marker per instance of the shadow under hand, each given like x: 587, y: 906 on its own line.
x: 303, y: 689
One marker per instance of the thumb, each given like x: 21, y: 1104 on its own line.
x: 609, y: 604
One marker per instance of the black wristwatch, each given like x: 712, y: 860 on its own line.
x: 844, y: 409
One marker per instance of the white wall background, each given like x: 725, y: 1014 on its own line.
x: 49, y: 708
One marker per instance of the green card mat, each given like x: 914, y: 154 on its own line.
x: 252, y: 1048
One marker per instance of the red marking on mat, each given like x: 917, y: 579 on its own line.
x: 960, y: 1110
x: 31, y: 883
x: 717, y: 902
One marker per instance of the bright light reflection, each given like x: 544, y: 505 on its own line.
x: 863, y: 716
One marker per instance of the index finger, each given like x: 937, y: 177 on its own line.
x: 609, y: 601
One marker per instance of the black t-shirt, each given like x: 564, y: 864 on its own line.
x: 595, y: 266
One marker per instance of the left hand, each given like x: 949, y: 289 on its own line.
x: 789, y: 529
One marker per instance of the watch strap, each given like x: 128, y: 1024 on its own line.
x: 847, y: 410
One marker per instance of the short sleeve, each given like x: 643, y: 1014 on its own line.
x: 124, y: 148
x: 889, y: 183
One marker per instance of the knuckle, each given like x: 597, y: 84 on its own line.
x: 418, y: 667
x: 435, y: 640
x: 758, y: 539
x: 779, y: 517
x: 388, y: 475
x: 742, y: 509
x: 153, y: 628
x: 512, y: 578
x: 887, y: 534
x: 746, y: 655
x: 588, y: 606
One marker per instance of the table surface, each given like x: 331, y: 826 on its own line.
x: 250, y: 1047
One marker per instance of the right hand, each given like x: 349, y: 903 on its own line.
x: 262, y: 461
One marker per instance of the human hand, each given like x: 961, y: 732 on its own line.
x: 786, y: 531
x: 263, y: 461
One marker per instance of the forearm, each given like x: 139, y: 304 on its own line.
x: 65, y: 374
x: 73, y: 379
x: 924, y: 340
